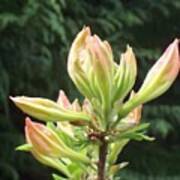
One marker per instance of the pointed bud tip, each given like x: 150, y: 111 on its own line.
x: 61, y: 92
x: 16, y: 98
x: 12, y: 98
x: 176, y: 41
x: 128, y: 47
x: 28, y: 121
x: 86, y: 30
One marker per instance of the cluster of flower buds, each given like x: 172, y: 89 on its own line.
x: 97, y: 76
x: 105, y: 110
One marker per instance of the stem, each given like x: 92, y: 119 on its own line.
x: 102, y: 159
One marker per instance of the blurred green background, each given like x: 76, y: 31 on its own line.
x: 35, y: 36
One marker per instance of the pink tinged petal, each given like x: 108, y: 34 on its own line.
x: 135, y: 115
x: 87, y: 107
x: 75, y: 68
x: 162, y: 74
x: 42, y: 139
x: 76, y: 106
x: 46, y: 142
x: 102, y: 68
x: 158, y: 80
x: 63, y: 100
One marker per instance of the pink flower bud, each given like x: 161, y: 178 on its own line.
x: 63, y: 100
x: 90, y: 66
x: 162, y: 74
x: 44, y: 140
x: 134, y: 116
x: 78, y: 62
x: 47, y: 143
x: 158, y: 80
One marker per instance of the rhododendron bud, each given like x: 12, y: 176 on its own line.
x: 90, y: 66
x: 87, y: 107
x: 46, y: 142
x: 47, y: 110
x: 78, y: 62
x: 76, y: 106
x: 102, y: 63
x: 63, y: 100
x: 162, y: 74
x: 131, y: 119
x: 134, y: 116
x: 125, y: 74
x: 158, y: 80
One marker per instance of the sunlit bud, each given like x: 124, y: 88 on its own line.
x: 102, y: 64
x: 131, y: 119
x: 43, y: 139
x: 90, y: 66
x: 78, y: 62
x: 158, y: 80
x: 76, y: 106
x: 47, y: 110
x: 162, y: 74
x: 125, y: 75
x: 134, y: 116
x: 46, y: 142
x: 87, y: 107
x: 63, y: 100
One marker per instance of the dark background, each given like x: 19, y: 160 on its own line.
x: 35, y: 36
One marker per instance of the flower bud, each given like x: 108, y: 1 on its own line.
x: 158, y: 80
x: 78, y: 62
x: 63, y: 100
x: 76, y: 106
x: 131, y: 119
x: 46, y: 142
x: 102, y: 68
x: 134, y: 116
x: 125, y: 75
x: 90, y: 66
x: 162, y: 74
x: 87, y: 107
x: 43, y: 139
x: 47, y: 110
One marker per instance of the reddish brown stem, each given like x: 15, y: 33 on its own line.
x: 102, y: 160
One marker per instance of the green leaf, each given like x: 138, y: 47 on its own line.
x: 57, y: 177
x: 24, y: 147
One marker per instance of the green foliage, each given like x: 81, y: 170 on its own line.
x: 164, y: 120
x: 162, y: 163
